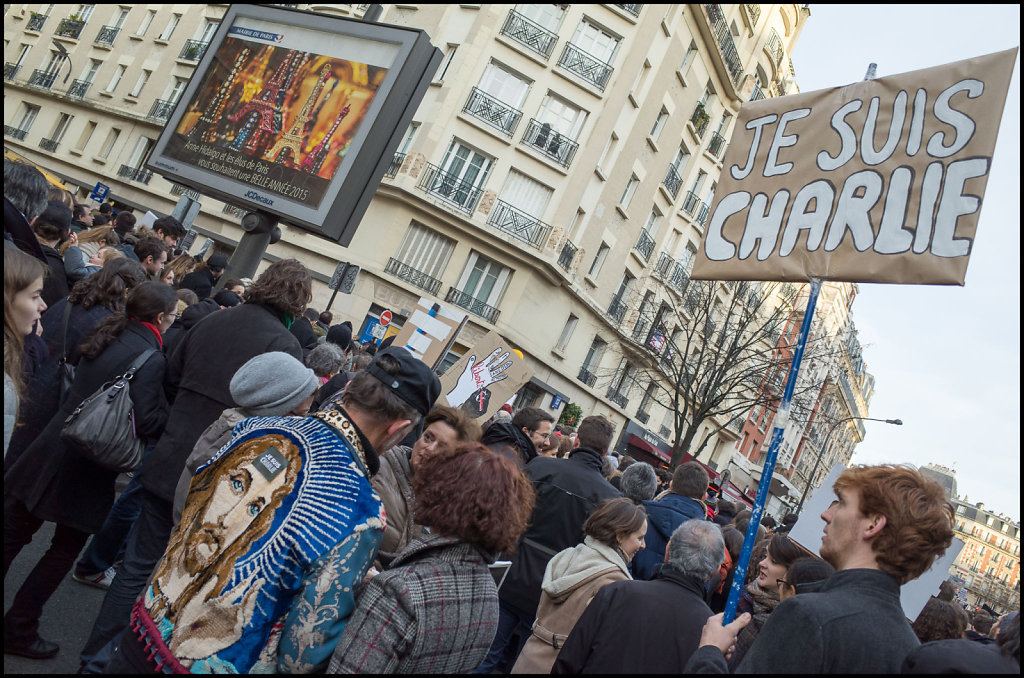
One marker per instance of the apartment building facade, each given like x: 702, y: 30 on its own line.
x: 561, y: 166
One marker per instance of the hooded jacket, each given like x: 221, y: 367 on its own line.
x: 571, y: 580
x: 663, y: 517
x: 500, y: 436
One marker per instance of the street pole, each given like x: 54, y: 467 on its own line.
x: 824, y: 446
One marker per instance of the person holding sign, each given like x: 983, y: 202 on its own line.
x: 886, y: 527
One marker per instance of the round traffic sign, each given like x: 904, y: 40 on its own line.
x: 385, y: 318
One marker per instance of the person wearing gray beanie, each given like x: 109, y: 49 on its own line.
x: 271, y: 384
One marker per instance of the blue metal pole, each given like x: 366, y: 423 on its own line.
x: 781, y: 419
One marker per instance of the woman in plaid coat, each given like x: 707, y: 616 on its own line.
x: 435, y: 609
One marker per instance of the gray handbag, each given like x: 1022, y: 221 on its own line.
x: 65, y: 369
x: 102, y: 427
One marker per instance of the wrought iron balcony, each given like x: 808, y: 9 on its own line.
x: 494, y: 112
x: 11, y: 70
x: 541, y: 137
x: 161, y: 110
x: 592, y: 70
x: 664, y: 266
x: 643, y: 417
x: 673, y: 181
x: 680, y: 279
x: 774, y: 47
x: 179, y: 189
x: 15, y: 133
x: 616, y: 309
x: 617, y: 398
x: 644, y: 245
x: 757, y: 94
x: 529, y: 34
x: 632, y: 9
x: 519, y: 224
x: 471, y: 304
x: 396, y: 164
x: 716, y: 146
x: 36, y: 22
x: 78, y: 88
x: 690, y: 203
x: 193, y: 50
x: 234, y: 211
x: 412, y: 276
x: 106, y: 35
x: 726, y: 45
x: 449, y: 188
x: 69, y: 28
x: 135, y: 174
x: 42, y: 79
x: 754, y: 12
x: 587, y: 377
x: 48, y: 145
x: 700, y: 120
x: 702, y: 216
x: 567, y: 255
x: 640, y: 329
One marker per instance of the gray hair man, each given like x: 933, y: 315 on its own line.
x: 667, y: 612
x: 639, y: 482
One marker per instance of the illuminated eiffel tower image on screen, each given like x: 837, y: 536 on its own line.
x: 314, y: 160
x: 264, y: 109
x: 205, y: 128
x: 292, y: 140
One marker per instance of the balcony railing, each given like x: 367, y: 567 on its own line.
x: 717, y: 145
x: 664, y: 266
x: 11, y: 70
x: 69, y: 28
x: 644, y: 245
x: 233, y: 211
x: 36, y: 22
x: 48, y: 145
x: 179, y: 189
x: 754, y: 12
x: 757, y: 94
x: 567, y: 255
x: 673, y: 181
x: 78, y: 88
x: 700, y: 120
x: 450, y: 189
x: 541, y: 137
x: 643, y: 417
x: 494, y: 112
x: 726, y: 45
x: 193, y: 50
x: 15, y: 133
x: 616, y: 309
x: 135, y: 174
x: 587, y: 377
x: 106, y: 35
x: 529, y: 34
x: 680, y: 279
x: 519, y: 224
x: 396, y: 164
x: 640, y: 329
x: 702, y: 216
x: 471, y: 304
x: 161, y: 110
x: 632, y: 9
x: 42, y: 79
x: 594, y: 71
x: 774, y: 47
x: 691, y: 203
x: 617, y: 398
x: 412, y: 276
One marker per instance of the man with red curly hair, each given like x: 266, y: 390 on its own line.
x: 886, y: 527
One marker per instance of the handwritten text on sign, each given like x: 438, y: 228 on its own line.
x: 879, y: 181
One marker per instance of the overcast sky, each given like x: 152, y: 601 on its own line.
x: 946, y: 359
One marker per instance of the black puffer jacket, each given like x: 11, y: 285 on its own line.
x: 567, y: 492
x: 502, y: 436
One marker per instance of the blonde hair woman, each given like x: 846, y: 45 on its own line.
x: 90, y: 241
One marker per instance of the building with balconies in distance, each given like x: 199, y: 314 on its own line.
x: 562, y: 164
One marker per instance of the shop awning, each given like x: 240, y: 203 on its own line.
x: 50, y: 176
x: 637, y: 441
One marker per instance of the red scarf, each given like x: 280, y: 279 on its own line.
x: 154, y: 329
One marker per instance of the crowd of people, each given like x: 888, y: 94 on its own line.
x: 305, y: 505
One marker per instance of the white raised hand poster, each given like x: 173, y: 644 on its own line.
x: 485, y: 377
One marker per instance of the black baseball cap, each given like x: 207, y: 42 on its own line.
x: 414, y: 382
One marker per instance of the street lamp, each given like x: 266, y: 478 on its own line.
x: 824, y: 446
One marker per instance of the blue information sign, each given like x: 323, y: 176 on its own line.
x: 99, y: 191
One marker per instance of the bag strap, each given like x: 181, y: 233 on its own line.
x: 137, y: 363
x: 64, y: 334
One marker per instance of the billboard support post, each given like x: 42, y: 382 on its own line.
x: 260, y: 231
x: 781, y: 419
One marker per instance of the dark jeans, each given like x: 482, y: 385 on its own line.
x: 108, y: 544
x: 504, y: 652
x: 21, y: 623
x: 147, y: 542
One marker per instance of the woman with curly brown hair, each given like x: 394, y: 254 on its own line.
x: 435, y: 609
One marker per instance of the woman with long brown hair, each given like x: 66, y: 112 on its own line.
x: 23, y: 304
x: 53, y: 481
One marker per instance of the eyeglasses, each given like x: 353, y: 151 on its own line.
x: 780, y: 582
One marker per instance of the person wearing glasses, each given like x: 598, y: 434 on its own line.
x: 523, y: 437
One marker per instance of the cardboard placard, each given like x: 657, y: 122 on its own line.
x: 425, y: 335
x: 485, y: 377
x: 878, y: 181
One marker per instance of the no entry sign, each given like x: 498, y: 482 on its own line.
x: 385, y: 318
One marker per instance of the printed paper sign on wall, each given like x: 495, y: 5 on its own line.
x: 484, y: 378
x: 879, y: 181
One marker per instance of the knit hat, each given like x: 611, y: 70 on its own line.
x: 217, y: 261
x: 272, y: 384
x: 227, y: 298
x: 340, y: 335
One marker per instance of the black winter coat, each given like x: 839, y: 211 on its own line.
x: 55, y: 285
x: 500, y: 436
x: 567, y: 492
x: 51, y: 478
x: 41, y: 398
x: 638, y: 627
x: 303, y: 331
x: 959, y: 656
x: 200, y: 281
x: 198, y: 374
x: 330, y: 387
x: 186, y: 321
